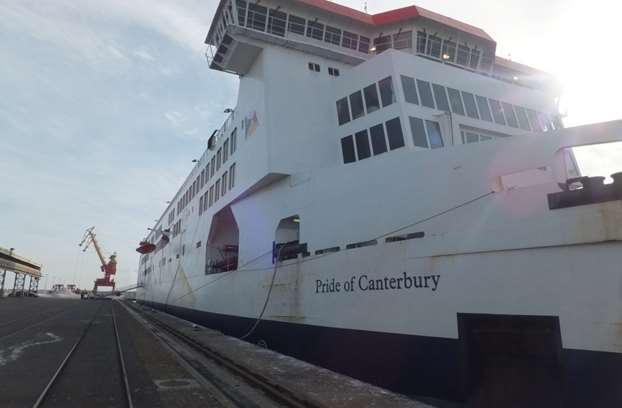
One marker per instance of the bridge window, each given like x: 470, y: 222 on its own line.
x: 469, y: 104
x: 474, y: 62
x: 425, y: 93
x: 224, y: 183
x: 356, y: 102
x: 382, y: 43
x: 211, y: 196
x: 256, y: 17
x: 218, y: 159
x: 463, y: 55
x: 449, y: 51
x: 217, y: 190
x: 276, y: 22
x: 343, y: 111
x: 421, y: 41
x: 315, y: 30
x: 434, y: 46
x: 347, y: 149
x: 234, y: 141
x: 395, y: 134
x: 225, y: 151
x: 378, y: 141
x: 241, y: 11
x: 296, y: 25
x: 362, y: 145
x: 364, y: 44
x: 456, y: 101
x: 441, y: 97
x: 484, y: 109
x: 332, y: 35
x: 349, y: 40
x: 386, y: 91
x: 403, y: 40
x: 371, y: 98
x: 410, y: 91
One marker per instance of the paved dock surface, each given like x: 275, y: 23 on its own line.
x: 57, y: 352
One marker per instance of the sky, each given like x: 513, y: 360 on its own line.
x: 103, y: 106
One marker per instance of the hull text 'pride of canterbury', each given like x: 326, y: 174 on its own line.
x: 365, y: 283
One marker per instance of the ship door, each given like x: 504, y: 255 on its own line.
x: 287, y: 239
x: 221, y: 252
x: 512, y: 361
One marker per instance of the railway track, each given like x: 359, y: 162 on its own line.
x: 44, y: 397
x: 176, y: 340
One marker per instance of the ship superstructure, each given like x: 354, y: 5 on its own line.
x: 390, y: 199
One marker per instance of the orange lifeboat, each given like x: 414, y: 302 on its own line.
x: 145, y: 247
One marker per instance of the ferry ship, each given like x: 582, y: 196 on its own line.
x: 391, y: 200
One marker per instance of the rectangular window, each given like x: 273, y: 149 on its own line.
x: 441, y: 97
x: 362, y: 145
x: 395, y: 134
x: 256, y: 17
x: 469, y: 104
x: 218, y: 159
x: 497, y: 112
x: 212, y: 166
x: 474, y: 62
x: 510, y: 116
x: 232, y: 176
x: 201, y: 205
x: 449, y: 51
x: 418, y: 130
x: 202, y: 178
x: 225, y: 151
x: 234, y: 141
x: 456, y: 101
x: 371, y: 98
x: 378, y: 141
x: 241, y: 11
x: 224, y: 183
x: 425, y: 93
x: 421, y: 42
x: 211, y: 195
x: 434, y: 134
x: 434, y: 46
x: 332, y: 35
x: 403, y: 40
x: 315, y: 30
x: 484, y: 109
x: 523, y: 122
x: 347, y: 149
x: 343, y: 111
x: 356, y: 102
x: 349, y: 40
x: 217, y: 190
x: 296, y: 25
x: 314, y: 67
x: 382, y: 43
x: 386, y: 91
x: 276, y: 22
x: 364, y: 45
x: 410, y: 91
x: 463, y: 55
x: 533, y: 120
x: 333, y: 72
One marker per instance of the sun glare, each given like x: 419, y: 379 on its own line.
x: 589, y: 67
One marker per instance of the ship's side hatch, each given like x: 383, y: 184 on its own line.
x: 287, y: 239
x: 511, y: 361
x: 221, y: 252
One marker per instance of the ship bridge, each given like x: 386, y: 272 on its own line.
x: 22, y: 268
x: 241, y: 29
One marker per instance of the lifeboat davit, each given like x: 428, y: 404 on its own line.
x: 145, y: 247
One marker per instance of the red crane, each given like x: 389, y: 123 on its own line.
x: 108, y: 268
